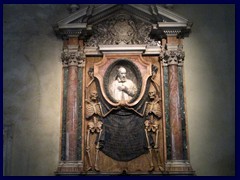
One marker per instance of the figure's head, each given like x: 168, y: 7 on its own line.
x: 93, y: 95
x: 152, y: 94
x: 122, y: 73
x: 91, y: 72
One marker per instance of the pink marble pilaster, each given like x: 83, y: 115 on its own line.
x: 72, y: 115
x: 174, y: 113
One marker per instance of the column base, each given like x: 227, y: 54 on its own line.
x: 179, y: 167
x: 69, y: 168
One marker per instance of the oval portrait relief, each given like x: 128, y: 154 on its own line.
x: 122, y: 81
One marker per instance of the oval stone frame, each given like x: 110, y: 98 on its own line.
x: 133, y: 73
x: 140, y: 69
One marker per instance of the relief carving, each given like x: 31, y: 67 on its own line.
x: 123, y: 111
x: 73, y: 57
x: 122, y: 88
x: 121, y: 29
x: 170, y: 57
x: 91, y: 75
x: 153, y: 114
x: 93, y: 115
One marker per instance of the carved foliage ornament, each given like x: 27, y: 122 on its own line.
x: 121, y: 29
x: 170, y: 57
x: 73, y: 58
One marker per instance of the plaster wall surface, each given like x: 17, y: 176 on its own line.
x: 210, y: 87
x: 32, y: 78
x: 32, y: 86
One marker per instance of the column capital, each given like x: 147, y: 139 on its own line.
x: 172, y: 56
x: 73, y: 55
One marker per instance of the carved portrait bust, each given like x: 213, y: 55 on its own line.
x: 122, y: 81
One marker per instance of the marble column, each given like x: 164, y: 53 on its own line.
x: 72, y: 119
x: 174, y: 113
x: 71, y: 114
x: 171, y: 57
x: 73, y: 60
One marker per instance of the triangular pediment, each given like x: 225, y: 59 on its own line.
x: 94, y: 13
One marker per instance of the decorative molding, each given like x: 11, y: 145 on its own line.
x: 179, y: 167
x: 170, y: 14
x: 143, y: 49
x: 172, y: 57
x: 69, y: 168
x: 181, y: 29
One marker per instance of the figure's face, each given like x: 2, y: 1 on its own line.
x: 152, y: 95
x: 122, y: 74
x: 90, y: 73
x: 94, y: 95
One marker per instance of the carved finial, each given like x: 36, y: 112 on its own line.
x: 73, y: 8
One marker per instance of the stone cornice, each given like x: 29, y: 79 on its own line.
x: 179, y: 29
